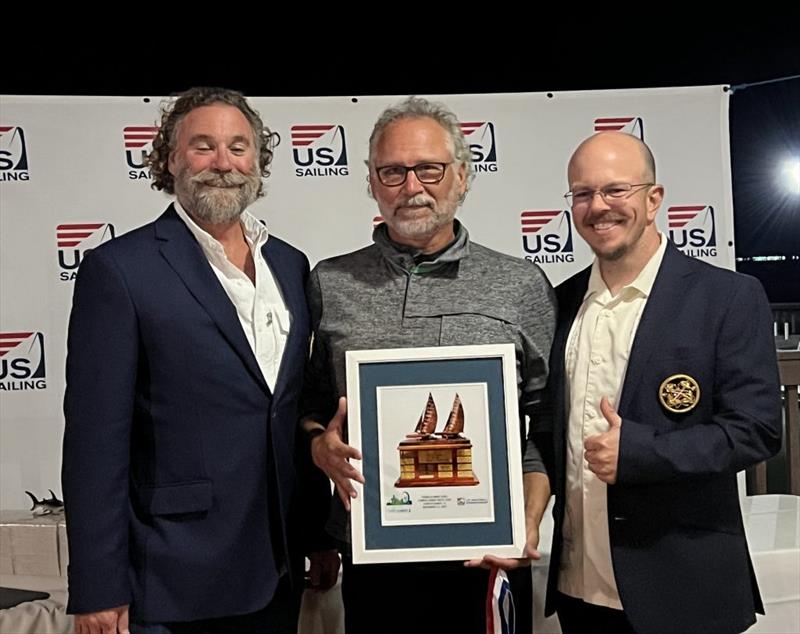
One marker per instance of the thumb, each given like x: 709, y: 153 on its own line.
x: 610, y: 413
x: 337, y: 422
x: 122, y: 621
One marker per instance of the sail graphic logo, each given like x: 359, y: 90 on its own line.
x: 13, y: 154
x: 692, y: 228
x: 319, y: 150
x: 22, y: 365
x: 482, y: 145
x: 75, y: 240
x: 138, y: 141
x: 629, y: 125
x: 547, y: 235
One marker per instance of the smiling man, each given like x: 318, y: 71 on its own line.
x: 186, y: 348
x: 422, y: 282
x: 664, y: 384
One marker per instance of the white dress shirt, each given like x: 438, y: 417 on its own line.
x: 260, y: 306
x: 596, y: 359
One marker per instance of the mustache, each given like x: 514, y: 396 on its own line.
x: 420, y: 200
x: 216, y: 179
x: 604, y: 217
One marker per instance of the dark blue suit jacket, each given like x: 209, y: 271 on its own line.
x: 677, y: 541
x: 179, y: 468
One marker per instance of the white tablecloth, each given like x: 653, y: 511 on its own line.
x: 772, y: 523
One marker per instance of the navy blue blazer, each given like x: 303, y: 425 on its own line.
x: 179, y: 467
x: 678, y: 547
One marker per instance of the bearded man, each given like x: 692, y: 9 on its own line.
x: 423, y: 282
x: 186, y: 348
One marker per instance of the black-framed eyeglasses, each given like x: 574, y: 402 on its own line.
x: 610, y: 193
x: 428, y: 173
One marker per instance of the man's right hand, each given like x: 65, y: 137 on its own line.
x: 111, y: 621
x: 333, y: 455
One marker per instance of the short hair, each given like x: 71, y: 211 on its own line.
x: 420, y: 108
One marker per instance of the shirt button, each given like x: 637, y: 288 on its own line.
x: 597, y: 360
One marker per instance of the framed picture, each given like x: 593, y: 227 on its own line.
x: 439, y: 432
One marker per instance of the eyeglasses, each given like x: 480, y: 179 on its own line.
x: 427, y: 173
x: 610, y: 193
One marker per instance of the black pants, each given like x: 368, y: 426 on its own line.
x: 422, y: 598
x: 578, y: 617
x: 278, y: 617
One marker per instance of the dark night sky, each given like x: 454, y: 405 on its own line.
x: 556, y: 56
x: 531, y: 57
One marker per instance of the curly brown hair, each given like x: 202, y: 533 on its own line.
x: 173, y: 112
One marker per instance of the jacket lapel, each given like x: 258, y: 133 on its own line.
x: 291, y: 286
x: 662, y: 306
x: 180, y: 249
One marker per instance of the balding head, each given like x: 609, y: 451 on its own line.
x: 615, y: 199
x: 617, y: 147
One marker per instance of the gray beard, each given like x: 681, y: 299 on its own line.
x: 220, y: 207
x: 208, y: 199
x: 421, y: 227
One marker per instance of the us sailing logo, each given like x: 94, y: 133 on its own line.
x: 22, y: 361
x: 319, y: 149
x: 630, y: 125
x: 693, y: 229
x: 547, y: 235
x: 74, y: 240
x: 482, y: 145
x: 138, y: 143
x: 13, y: 154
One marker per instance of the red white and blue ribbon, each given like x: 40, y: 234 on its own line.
x: 499, y: 604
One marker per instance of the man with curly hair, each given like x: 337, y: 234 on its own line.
x: 185, y: 357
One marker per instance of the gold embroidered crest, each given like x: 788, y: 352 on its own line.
x: 679, y: 393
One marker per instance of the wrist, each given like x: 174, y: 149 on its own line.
x: 314, y: 432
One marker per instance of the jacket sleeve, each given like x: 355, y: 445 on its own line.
x: 314, y: 486
x: 745, y: 423
x: 319, y: 399
x: 102, y: 357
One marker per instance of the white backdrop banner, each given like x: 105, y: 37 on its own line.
x: 72, y: 176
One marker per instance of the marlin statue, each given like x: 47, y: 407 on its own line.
x: 45, y: 506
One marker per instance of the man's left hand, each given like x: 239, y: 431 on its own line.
x: 324, y: 570
x: 602, y: 450
x: 506, y: 563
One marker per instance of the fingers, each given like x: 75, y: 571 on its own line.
x: 110, y: 621
x: 504, y: 563
x: 346, y: 493
x: 122, y: 621
x: 332, y: 455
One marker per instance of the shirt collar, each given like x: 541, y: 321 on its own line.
x: 403, y: 256
x: 642, y: 285
x: 255, y: 232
